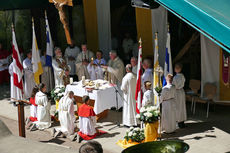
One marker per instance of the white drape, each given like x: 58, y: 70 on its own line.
x: 159, y: 24
x: 210, y: 61
x: 104, y: 26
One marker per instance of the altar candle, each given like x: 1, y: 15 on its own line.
x: 71, y: 80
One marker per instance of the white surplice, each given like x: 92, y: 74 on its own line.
x: 58, y: 73
x: 87, y: 125
x: 178, y: 81
x: 148, y: 98
x: 43, y: 111
x: 72, y: 52
x: 147, y: 76
x: 29, y: 77
x: 168, y: 108
x: 129, y: 109
x: 66, y: 115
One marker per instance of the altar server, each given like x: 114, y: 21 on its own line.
x: 129, y: 87
x: 29, y: 75
x: 71, y: 53
x: 179, y: 81
x: 115, y: 68
x: 168, y: 106
x: 148, y: 74
x: 43, y: 110
x: 87, y: 118
x: 82, y: 62
x: 148, y: 97
x: 61, y: 68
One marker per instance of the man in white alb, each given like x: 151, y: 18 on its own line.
x: 129, y: 87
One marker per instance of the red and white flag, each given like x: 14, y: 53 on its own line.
x: 17, y: 70
x: 139, y: 94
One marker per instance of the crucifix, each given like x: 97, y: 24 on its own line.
x: 59, y: 4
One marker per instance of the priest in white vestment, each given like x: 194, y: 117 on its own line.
x: 28, y: 75
x: 133, y: 62
x: 66, y: 114
x: 82, y: 62
x: 99, y: 61
x: 61, y: 69
x: 129, y: 87
x: 43, y: 109
x: 178, y: 81
x: 148, y: 74
x: 47, y: 76
x: 168, y: 106
x: 115, y: 68
x: 71, y: 53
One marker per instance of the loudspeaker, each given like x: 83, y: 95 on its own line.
x: 148, y: 4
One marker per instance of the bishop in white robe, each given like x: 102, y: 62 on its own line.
x: 66, y: 114
x: 168, y: 107
x: 43, y: 111
x: 129, y: 87
x: 82, y: 62
x: 179, y: 81
x: 28, y: 75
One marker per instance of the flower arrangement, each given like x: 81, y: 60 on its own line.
x: 158, y: 90
x: 135, y: 134
x: 148, y: 114
x: 58, y: 92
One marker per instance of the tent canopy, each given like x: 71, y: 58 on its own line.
x: 22, y: 4
x: 210, y: 17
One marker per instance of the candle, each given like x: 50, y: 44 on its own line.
x: 71, y: 80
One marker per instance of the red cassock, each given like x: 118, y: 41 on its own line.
x: 33, y: 118
x: 86, y: 111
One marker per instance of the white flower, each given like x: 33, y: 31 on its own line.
x: 142, y: 109
x: 137, y: 129
x: 63, y: 93
x: 130, y: 134
x: 134, y: 134
x: 138, y: 116
x: 59, y: 94
x: 149, y: 115
x: 157, y: 111
x: 57, y: 90
x: 131, y: 128
x: 57, y: 86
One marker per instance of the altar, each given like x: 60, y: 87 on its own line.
x: 101, y: 99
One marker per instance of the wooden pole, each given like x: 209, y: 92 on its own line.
x: 21, y: 120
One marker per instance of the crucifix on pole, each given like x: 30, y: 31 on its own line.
x: 59, y: 4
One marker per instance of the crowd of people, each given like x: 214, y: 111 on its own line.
x: 77, y: 63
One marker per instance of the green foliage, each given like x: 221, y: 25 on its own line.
x: 135, y: 134
x: 57, y: 93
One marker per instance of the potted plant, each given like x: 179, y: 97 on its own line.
x: 149, y: 115
x: 57, y: 93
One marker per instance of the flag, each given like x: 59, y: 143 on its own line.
x: 49, y: 44
x: 156, y: 76
x: 36, y: 61
x: 17, y: 70
x: 168, y: 60
x: 139, y: 94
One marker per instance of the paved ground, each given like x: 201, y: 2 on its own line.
x: 203, y: 135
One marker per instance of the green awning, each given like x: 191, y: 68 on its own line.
x: 210, y: 17
x: 22, y: 4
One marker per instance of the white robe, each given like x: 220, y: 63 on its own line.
x: 148, y: 98
x: 33, y: 111
x: 47, y: 76
x: 43, y: 111
x: 168, y: 108
x: 92, y: 72
x: 147, y: 76
x: 81, y: 70
x: 87, y: 125
x: 29, y: 77
x: 58, y: 73
x: 178, y: 81
x: 116, y: 69
x: 72, y: 52
x: 66, y: 115
x: 129, y: 109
